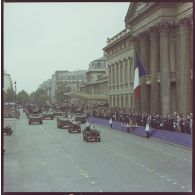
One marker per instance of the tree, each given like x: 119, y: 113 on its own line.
x: 9, y: 95
x: 22, y: 97
x: 39, y: 97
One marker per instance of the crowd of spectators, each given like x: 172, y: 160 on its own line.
x: 173, y: 121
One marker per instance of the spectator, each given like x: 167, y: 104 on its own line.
x: 110, y: 122
x: 147, y: 129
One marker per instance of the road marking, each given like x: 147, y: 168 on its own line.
x: 77, y: 166
x: 43, y: 163
x: 183, y: 187
x: 168, y: 179
x: 100, y: 191
x: 92, y: 182
x: 175, y: 183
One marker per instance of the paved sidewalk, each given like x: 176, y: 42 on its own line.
x: 180, y: 139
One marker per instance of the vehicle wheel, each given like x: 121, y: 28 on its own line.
x: 99, y: 139
x: 41, y: 122
x: 29, y: 123
x: 52, y: 118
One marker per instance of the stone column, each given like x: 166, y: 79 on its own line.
x: 120, y: 103
x: 115, y: 72
x: 119, y: 75
x: 123, y: 80
x: 177, y: 62
x: 185, y: 81
x: 173, y: 67
x: 164, y: 68
x: 155, y: 91
x: 136, y: 47
x: 111, y: 68
x: 124, y: 101
x: 144, y: 59
x: 110, y: 76
x: 128, y: 73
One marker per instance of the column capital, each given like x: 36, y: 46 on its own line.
x: 164, y: 28
x: 143, y: 36
x: 173, y: 31
x: 153, y: 32
x: 184, y: 24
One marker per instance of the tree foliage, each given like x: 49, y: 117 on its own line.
x: 22, y: 97
x: 9, y: 95
x: 39, y: 97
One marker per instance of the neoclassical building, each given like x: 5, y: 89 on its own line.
x: 162, y: 33
x: 95, y: 90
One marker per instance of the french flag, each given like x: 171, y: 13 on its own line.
x: 139, y: 72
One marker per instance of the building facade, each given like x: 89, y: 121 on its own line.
x: 120, y: 53
x: 7, y: 82
x: 63, y: 81
x: 162, y: 34
x: 95, y: 89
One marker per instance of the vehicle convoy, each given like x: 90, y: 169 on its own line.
x: 35, y: 118
x: 48, y: 115
x: 62, y: 122
x: 74, y: 127
x: 91, y: 134
x: 58, y: 113
x: 80, y: 118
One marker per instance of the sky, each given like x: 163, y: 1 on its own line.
x: 41, y: 38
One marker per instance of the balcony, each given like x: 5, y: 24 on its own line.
x: 148, y: 79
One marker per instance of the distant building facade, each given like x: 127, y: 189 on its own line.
x: 7, y: 82
x: 162, y: 34
x: 96, y: 86
x: 63, y: 80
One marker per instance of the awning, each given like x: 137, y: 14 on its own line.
x: 87, y: 96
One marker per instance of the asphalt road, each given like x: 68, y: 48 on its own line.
x: 43, y: 158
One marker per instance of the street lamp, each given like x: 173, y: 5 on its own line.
x: 15, y: 94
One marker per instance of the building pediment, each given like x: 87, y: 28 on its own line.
x: 135, y: 8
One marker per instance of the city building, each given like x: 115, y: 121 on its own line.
x: 7, y: 82
x: 62, y: 81
x: 162, y: 34
x: 120, y: 53
x: 95, y: 89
